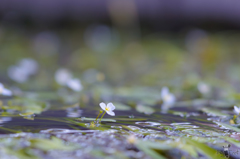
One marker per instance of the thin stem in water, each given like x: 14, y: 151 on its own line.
x: 98, y: 116
x: 102, y: 116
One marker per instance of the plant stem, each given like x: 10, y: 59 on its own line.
x: 98, y: 116
x: 102, y: 116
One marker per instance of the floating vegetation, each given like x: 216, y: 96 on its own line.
x: 167, y: 105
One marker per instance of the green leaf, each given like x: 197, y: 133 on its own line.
x: 231, y: 140
x: 26, y: 114
x: 149, y: 151
x: 93, y: 119
x: 145, y: 109
x: 203, y: 148
x: 229, y: 126
x: 24, y: 105
x: 214, y: 112
x: 120, y: 106
x: 53, y: 144
x: 155, y: 145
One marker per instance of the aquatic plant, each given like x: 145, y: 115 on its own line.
x: 107, y: 108
x: 167, y: 97
x: 64, y: 77
x: 236, y: 110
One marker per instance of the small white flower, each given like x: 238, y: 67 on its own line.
x: 4, y: 91
x: 108, y: 108
x: 167, y: 97
x: 131, y: 139
x: 23, y: 70
x: 62, y: 76
x: 29, y: 65
x: 203, y: 88
x: 75, y: 84
x: 236, y: 110
x: 17, y: 74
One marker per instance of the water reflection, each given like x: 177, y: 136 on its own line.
x: 64, y: 77
x: 5, y: 119
x: 74, y: 112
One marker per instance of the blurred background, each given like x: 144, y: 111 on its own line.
x: 188, y: 45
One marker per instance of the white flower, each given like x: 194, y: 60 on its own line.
x: 131, y: 139
x: 17, y: 74
x: 203, y: 88
x: 62, y: 76
x: 108, y: 108
x: 75, y: 84
x: 65, y: 78
x: 29, y: 65
x: 23, y: 70
x: 4, y: 91
x: 236, y: 110
x: 167, y: 97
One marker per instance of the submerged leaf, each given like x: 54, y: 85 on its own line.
x: 53, y: 144
x: 27, y: 114
x: 203, y: 148
x: 120, y: 106
x: 214, y: 112
x: 149, y: 150
x: 145, y: 109
x: 229, y: 126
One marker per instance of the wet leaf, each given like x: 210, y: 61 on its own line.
x: 203, y: 148
x: 229, y: 127
x: 120, y: 106
x: 27, y: 114
x: 149, y: 151
x: 145, y: 109
x: 214, y: 112
x: 231, y: 140
x: 52, y: 144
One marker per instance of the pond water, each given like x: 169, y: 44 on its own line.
x: 28, y: 125
x: 174, y: 94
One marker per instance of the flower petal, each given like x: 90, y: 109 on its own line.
x: 169, y: 99
x: 164, y: 92
x: 102, y: 105
x: 111, y: 106
x: 1, y: 85
x: 236, y: 110
x: 111, y: 113
x: 6, y: 92
x: 75, y: 84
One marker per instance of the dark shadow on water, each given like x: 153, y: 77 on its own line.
x: 57, y: 119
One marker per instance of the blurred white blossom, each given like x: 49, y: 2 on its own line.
x: 203, y: 88
x: 75, y: 84
x: 4, y: 91
x: 236, y: 110
x: 23, y: 70
x: 62, y: 76
x: 29, y: 65
x: 65, y: 78
x: 167, y: 97
x: 131, y: 139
